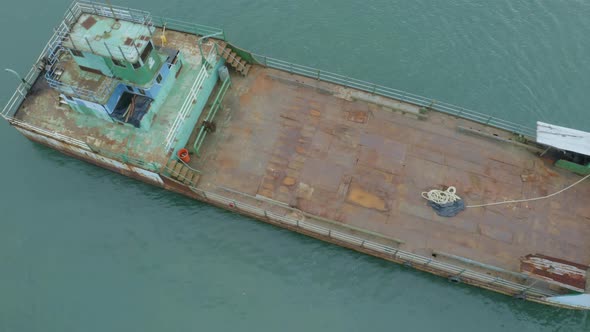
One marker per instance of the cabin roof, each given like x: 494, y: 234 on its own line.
x: 105, y: 36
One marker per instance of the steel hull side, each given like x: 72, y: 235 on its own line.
x: 93, y: 158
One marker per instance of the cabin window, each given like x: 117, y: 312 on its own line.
x: 142, y: 91
x: 118, y: 63
x: 137, y: 65
x: 159, y: 78
x: 146, y: 51
x: 77, y: 53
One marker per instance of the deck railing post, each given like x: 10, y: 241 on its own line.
x: 319, y: 73
x: 374, y: 89
x: 89, y: 46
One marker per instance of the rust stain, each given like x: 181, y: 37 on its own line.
x: 360, y: 196
x: 568, y: 274
x: 289, y: 181
x: 357, y: 116
x: 89, y: 23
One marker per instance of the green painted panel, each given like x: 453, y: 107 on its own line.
x: 138, y: 76
x: 573, y: 167
x: 124, y: 70
x: 189, y: 124
x: 147, y: 120
x: 93, y: 61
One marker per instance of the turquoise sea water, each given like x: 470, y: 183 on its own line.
x: 83, y: 249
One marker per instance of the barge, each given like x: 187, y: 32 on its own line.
x: 176, y: 105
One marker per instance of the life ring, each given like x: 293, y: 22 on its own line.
x: 232, y: 205
x: 184, y: 155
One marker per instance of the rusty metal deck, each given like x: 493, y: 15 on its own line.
x: 318, y: 147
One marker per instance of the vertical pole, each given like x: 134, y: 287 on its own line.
x: 89, y: 46
x: 150, y: 28
x: 123, y: 54
x: 108, y: 50
x: 94, y: 8
x: 201, y: 50
x: 494, y: 281
x: 72, y: 40
x: 112, y: 10
x: 138, y: 54
x: 73, y: 16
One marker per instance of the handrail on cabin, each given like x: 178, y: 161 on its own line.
x: 214, y: 109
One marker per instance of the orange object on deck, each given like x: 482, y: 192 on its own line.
x: 183, y: 155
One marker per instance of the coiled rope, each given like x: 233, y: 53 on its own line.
x: 450, y: 196
x: 442, y: 196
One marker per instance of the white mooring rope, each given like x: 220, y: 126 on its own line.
x: 450, y: 196
x: 442, y: 196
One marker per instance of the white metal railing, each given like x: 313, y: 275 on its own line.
x: 393, y: 252
x: 51, y: 134
x: 21, y: 90
x: 71, y: 16
x: 186, y: 107
x: 395, y: 94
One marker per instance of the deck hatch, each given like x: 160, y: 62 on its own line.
x: 89, y: 23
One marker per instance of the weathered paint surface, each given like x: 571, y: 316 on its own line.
x: 147, y: 174
x: 566, y: 274
x: 111, y: 164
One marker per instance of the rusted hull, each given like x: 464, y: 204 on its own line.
x: 165, y: 182
x: 93, y: 158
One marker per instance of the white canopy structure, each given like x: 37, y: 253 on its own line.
x: 563, y: 138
